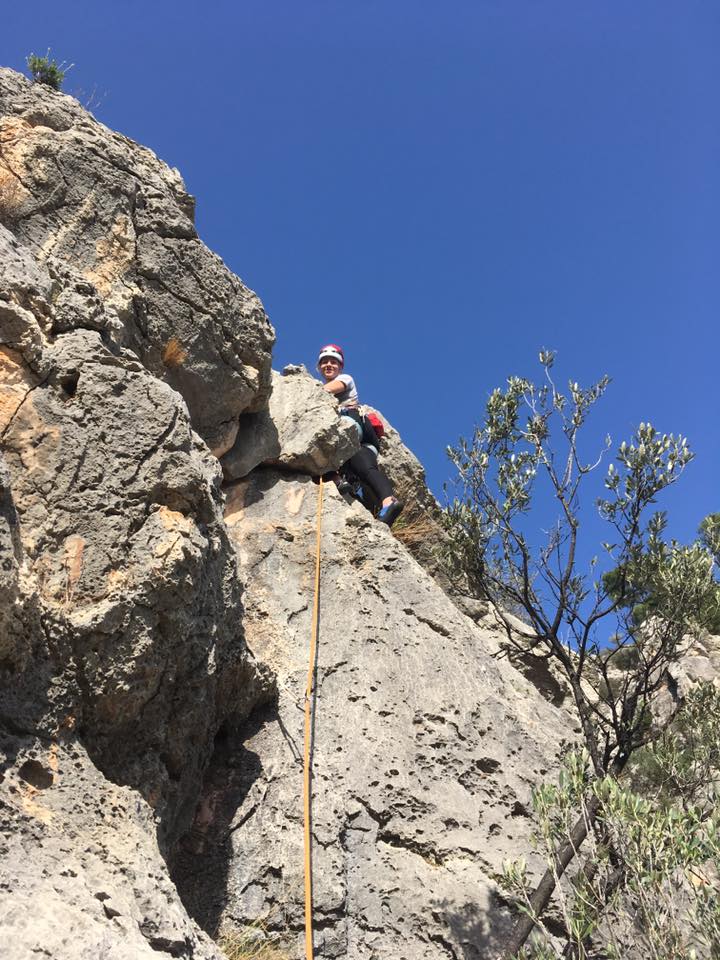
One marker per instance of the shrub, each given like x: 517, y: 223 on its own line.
x: 47, y: 71
x: 650, y: 875
x: 174, y: 354
x: 415, y: 531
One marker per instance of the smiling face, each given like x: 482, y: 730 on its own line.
x: 329, y: 368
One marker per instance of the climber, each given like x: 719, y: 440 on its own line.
x: 364, y: 465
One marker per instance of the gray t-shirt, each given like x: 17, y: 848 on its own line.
x: 348, y: 399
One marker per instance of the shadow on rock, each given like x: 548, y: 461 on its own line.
x: 469, y: 927
x: 200, y: 861
x: 539, y: 672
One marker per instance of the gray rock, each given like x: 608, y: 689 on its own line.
x: 25, y: 295
x: 19, y: 612
x: 425, y: 748
x: 120, y: 521
x: 699, y: 662
x: 82, y: 876
x: 300, y: 431
x: 120, y: 620
x: 25, y: 281
x: 90, y: 202
x: 120, y: 607
x: 255, y: 441
x: 121, y: 643
x: 120, y: 623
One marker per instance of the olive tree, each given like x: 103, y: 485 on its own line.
x: 642, y: 598
x: 655, y: 886
x: 527, y: 454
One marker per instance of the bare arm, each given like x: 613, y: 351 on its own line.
x: 335, y: 386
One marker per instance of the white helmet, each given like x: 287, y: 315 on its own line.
x: 334, y: 351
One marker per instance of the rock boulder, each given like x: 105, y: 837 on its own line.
x: 300, y: 431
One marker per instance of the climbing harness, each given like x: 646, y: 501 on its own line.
x: 307, y: 778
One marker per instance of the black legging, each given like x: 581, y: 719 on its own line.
x: 364, y: 464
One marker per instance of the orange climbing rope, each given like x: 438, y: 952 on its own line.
x: 309, y: 690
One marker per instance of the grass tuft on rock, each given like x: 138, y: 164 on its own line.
x: 253, y: 942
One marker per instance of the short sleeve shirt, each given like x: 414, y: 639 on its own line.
x: 348, y: 398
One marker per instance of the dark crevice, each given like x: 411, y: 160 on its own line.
x: 78, y: 469
x: 201, y: 860
x: 445, y: 945
x: 69, y: 383
x: 173, y: 948
x: 539, y: 672
x: 426, y: 850
x: 34, y: 773
x: 433, y: 624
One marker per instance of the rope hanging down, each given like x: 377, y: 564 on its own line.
x: 309, y: 691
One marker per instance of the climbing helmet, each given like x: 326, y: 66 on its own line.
x: 334, y: 351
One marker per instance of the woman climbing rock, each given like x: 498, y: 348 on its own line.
x: 363, y: 464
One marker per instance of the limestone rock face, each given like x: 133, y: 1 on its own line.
x: 119, y: 515
x: 82, y: 874
x: 113, y: 225
x: 698, y: 663
x: 301, y: 430
x: 425, y: 748
x: 121, y: 644
x: 701, y: 663
x: 121, y: 624
x: 19, y: 613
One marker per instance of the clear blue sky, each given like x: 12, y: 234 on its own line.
x: 443, y: 188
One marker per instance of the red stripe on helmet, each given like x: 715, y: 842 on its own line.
x: 332, y: 350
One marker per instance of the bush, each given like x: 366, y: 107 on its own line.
x: 650, y: 876
x: 47, y: 71
x: 637, y: 589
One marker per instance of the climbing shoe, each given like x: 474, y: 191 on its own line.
x: 391, y: 512
x: 345, y: 488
